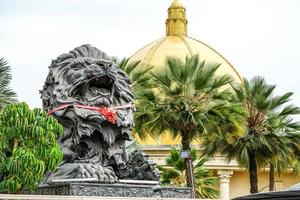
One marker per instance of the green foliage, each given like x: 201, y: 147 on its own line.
x: 7, y: 96
x: 267, y: 124
x: 188, y: 99
x: 28, y: 146
x: 174, y: 174
x: 270, y: 136
x: 139, y: 77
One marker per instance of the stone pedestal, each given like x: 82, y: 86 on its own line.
x: 114, y: 190
x: 224, y: 179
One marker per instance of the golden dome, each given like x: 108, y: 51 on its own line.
x: 176, y: 43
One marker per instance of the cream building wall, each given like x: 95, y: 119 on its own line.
x: 239, y: 182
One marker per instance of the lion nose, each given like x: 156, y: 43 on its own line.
x: 103, y: 64
x: 93, y: 68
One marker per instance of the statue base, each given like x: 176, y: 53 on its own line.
x: 114, y: 190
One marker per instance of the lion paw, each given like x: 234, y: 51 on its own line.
x: 103, y: 174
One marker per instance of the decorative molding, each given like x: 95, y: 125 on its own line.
x: 221, y: 161
x: 53, y: 197
x: 114, y: 190
x: 225, y: 175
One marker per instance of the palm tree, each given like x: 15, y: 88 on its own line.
x: 7, y: 96
x: 139, y: 78
x: 282, y: 125
x: 260, y: 142
x: 174, y: 174
x: 189, y: 100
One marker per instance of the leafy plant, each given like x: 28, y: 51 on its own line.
x: 174, y: 174
x: 28, y: 147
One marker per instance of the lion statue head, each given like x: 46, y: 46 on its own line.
x: 92, y: 98
x: 85, y: 75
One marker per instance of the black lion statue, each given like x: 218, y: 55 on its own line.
x: 91, y: 97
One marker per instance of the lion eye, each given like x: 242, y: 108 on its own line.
x: 77, y: 67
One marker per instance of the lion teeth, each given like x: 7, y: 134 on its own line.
x: 99, y: 91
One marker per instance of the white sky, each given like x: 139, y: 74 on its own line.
x: 259, y: 37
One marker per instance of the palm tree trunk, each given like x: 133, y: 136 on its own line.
x: 15, y: 144
x: 1, y: 177
x: 185, y: 143
x: 253, y: 172
x: 272, y: 178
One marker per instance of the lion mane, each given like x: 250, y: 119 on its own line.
x: 78, y: 83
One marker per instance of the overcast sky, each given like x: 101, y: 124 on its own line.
x: 259, y: 37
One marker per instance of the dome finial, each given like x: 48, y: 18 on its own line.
x: 176, y: 24
x: 176, y: 4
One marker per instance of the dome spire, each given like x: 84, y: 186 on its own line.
x: 176, y: 24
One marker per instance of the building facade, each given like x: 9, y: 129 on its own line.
x: 233, y: 180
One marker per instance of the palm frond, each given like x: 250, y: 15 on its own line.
x: 174, y: 174
x: 7, y: 95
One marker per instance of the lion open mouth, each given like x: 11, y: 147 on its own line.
x: 101, y: 86
x: 99, y: 91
